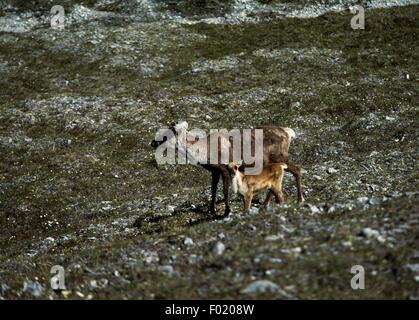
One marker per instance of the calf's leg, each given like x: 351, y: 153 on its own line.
x: 248, y: 200
x: 268, y: 198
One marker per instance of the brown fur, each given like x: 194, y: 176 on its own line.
x: 270, y: 178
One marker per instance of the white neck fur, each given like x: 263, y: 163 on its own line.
x: 237, y: 183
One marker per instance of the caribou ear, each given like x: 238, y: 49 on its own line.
x: 241, y: 166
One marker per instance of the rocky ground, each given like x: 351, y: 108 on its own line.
x: 79, y: 187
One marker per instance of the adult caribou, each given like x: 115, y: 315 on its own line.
x: 276, y: 142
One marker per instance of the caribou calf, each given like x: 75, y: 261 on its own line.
x: 270, y: 178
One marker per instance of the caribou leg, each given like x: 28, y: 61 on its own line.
x: 215, y: 177
x: 226, y: 189
x: 296, y: 172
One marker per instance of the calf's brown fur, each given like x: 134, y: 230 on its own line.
x: 270, y: 178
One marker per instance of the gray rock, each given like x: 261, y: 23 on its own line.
x: 33, y: 287
x: 253, y: 210
x: 372, y: 187
x: 274, y: 237
x: 362, y: 200
x: 414, y: 267
x: 333, y: 208
x: 251, y: 227
x: 219, y: 248
x: 3, y: 288
x: 98, y: 284
x: 292, y: 251
x: 271, y: 272
x: 275, y: 260
x: 331, y: 170
x: 381, y: 239
x: 369, y: 233
x: 313, y: 209
x: 188, y: 241
x: 167, y: 269
x: 193, y: 258
x: 261, y: 286
x: 372, y: 234
x: 265, y: 286
x: 151, y: 257
x: 374, y: 201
